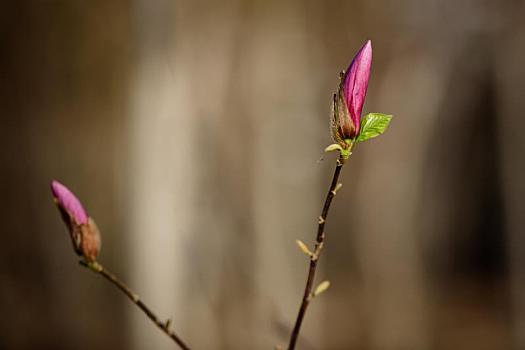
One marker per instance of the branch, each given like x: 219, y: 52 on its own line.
x: 314, y: 258
x: 163, y: 326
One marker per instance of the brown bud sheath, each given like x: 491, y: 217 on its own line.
x: 90, y: 241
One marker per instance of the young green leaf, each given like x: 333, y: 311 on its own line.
x: 372, y: 125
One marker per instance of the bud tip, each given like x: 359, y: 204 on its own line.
x: 69, y: 202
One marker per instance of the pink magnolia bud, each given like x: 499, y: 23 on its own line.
x: 349, y: 100
x: 83, y: 230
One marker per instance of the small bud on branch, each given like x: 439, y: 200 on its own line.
x: 304, y: 248
x: 82, y: 229
x: 321, y: 288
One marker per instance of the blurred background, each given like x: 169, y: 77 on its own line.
x: 193, y: 130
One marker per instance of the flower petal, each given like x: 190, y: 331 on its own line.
x: 69, y: 202
x: 355, y: 83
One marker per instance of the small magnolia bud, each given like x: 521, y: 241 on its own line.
x: 322, y: 287
x: 82, y: 229
x: 349, y: 100
x: 304, y: 248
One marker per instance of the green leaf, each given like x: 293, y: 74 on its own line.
x: 372, y: 125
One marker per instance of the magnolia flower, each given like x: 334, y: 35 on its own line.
x: 349, y: 100
x: 83, y: 230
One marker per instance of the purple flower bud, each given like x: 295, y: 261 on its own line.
x: 83, y: 230
x: 349, y: 100
x: 69, y: 202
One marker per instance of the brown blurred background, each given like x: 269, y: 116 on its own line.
x: 192, y: 130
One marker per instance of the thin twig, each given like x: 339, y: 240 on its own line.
x: 307, y: 296
x: 164, y: 326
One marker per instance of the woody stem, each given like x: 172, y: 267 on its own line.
x: 307, y: 295
x: 163, y: 326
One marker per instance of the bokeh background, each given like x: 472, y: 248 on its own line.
x: 193, y: 131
